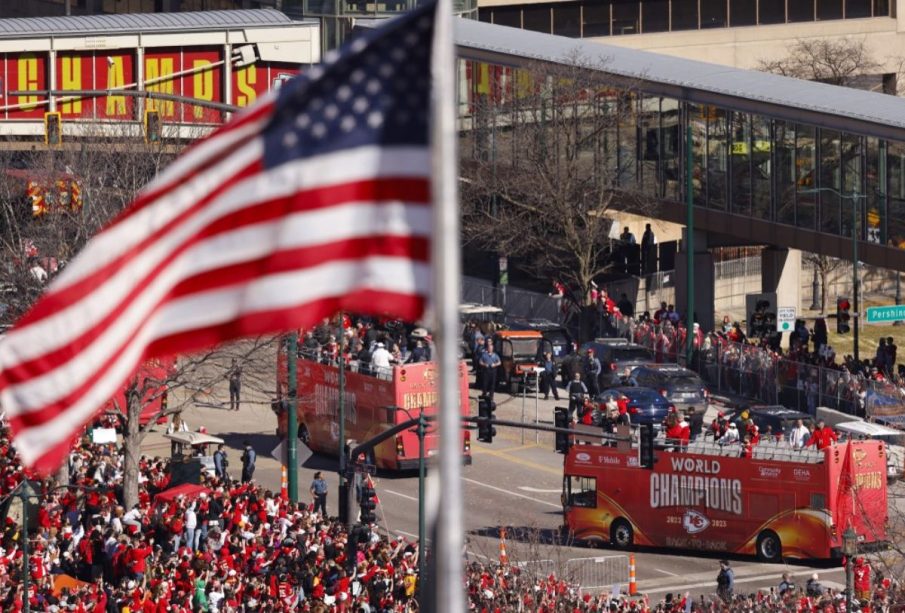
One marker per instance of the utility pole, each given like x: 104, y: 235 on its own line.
x: 856, y: 316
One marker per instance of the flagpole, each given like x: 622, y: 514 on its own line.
x: 447, y: 588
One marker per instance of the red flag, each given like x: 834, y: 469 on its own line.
x: 314, y: 201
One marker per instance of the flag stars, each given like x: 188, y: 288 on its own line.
x: 360, y: 105
x: 386, y: 70
x: 347, y: 123
x: 344, y: 93
x: 303, y: 121
x: 372, y: 87
x: 318, y: 130
x: 398, y: 54
x: 375, y: 119
x: 411, y: 39
x: 290, y: 140
x: 331, y: 112
x: 359, y: 45
x: 357, y: 76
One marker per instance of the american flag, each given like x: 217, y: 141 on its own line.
x: 315, y: 200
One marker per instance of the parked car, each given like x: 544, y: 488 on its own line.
x: 559, y: 337
x: 681, y: 386
x: 779, y: 418
x: 645, y: 405
x: 894, y: 439
x: 615, y: 355
x: 520, y: 352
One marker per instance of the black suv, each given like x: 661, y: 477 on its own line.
x: 679, y: 385
x: 615, y: 355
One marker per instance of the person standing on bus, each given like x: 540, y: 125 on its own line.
x: 725, y: 582
x: 577, y: 394
x: 489, y: 364
x: 799, y: 435
x: 822, y: 437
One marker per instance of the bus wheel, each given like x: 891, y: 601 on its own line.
x: 621, y: 534
x: 304, y: 435
x: 769, y: 549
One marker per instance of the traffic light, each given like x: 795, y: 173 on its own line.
x: 561, y: 420
x: 486, y: 431
x: 53, y: 129
x: 843, y: 316
x: 646, y: 445
x: 367, y: 504
x: 152, y: 126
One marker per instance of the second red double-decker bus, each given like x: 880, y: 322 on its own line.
x: 373, y: 404
x: 781, y: 503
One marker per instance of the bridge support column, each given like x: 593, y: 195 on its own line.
x: 704, y: 297
x: 780, y: 272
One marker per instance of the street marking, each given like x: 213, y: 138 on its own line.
x: 406, y: 496
x: 505, y: 456
x: 537, y: 490
x: 404, y: 533
x: 511, y: 493
x: 666, y: 572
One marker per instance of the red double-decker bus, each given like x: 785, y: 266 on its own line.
x: 373, y: 404
x: 780, y: 503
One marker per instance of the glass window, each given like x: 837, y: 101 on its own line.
x: 625, y: 16
x: 881, y: 8
x: 805, y: 175
x: 536, y: 18
x: 761, y: 166
x: 829, y: 9
x: 818, y: 502
x: 582, y: 491
x: 875, y: 203
x: 650, y: 142
x: 742, y: 13
x: 508, y: 16
x: 713, y: 13
x: 830, y: 177
x: 850, y: 162
x: 857, y: 8
x: 567, y: 20
x: 784, y: 171
x: 684, y: 14
x: 655, y: 15
x: 670, y: 144
x: 627, y: 131
x: 485, y: 15
x: 801, y: 10
x: 740, y: 154
x: 771, y: 11
x: 596, y: 19
x: 717, y: 148
x: 895, y: 172
x: 697, y: 119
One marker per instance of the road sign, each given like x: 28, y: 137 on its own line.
x: 785, y: 319
x: 303, y: 452
x: 885, y: 314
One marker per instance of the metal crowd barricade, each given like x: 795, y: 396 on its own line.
x: 598, y: 573
x: 540, y: 569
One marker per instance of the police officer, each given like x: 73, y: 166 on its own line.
x: 577, y: 394
x: 488, y: 364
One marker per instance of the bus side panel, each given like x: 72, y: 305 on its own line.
x: 869, y: 510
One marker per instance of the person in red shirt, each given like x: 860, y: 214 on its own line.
x: 136, y: 564
x: 822, y: 436
x: 861, y: 571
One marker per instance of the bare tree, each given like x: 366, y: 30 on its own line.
x: 543, y: 161
x: 843, y: 61
x: 825, y: 267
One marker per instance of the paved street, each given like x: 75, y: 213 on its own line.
x: 510, y: 483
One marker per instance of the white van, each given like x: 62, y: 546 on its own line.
x: 894, y: 439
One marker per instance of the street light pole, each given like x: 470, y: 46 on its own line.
x: 689, y: 249
x: 849, y: 549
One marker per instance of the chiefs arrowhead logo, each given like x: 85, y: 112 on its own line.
x: 858, y: 455
x: 694, y: 522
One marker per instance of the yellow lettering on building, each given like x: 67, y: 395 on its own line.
x: 869, y: 481
x: 116, y: 105
x: 28, y: 80
x: 71, y: 78
x: 155, y: 68
x: 245, y: 79
x: 203, y: 86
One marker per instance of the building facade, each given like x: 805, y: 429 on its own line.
x: 738, y: 33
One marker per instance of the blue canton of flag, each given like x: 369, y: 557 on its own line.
x: 375, y: 90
